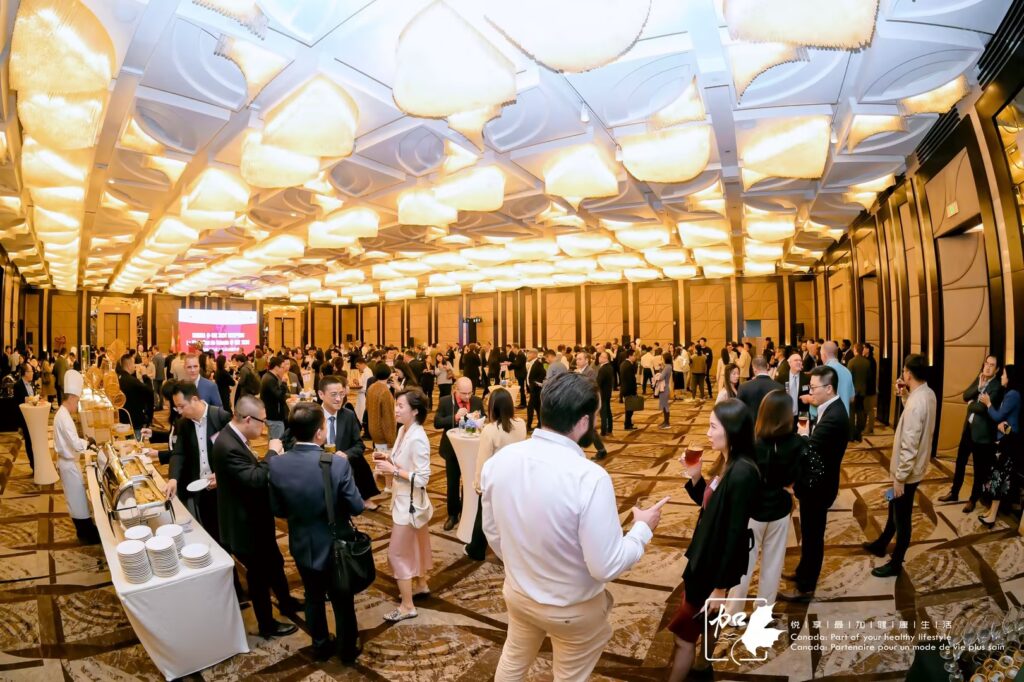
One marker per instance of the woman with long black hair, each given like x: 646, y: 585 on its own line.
x: 717, y: 555
x: 1001, y: 484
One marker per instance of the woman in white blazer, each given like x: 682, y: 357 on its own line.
x: 409, y: 552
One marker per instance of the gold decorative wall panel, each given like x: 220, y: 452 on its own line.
x: 483, y: 307
x: 965, y: 312
x: 803, y: 292
x: 33, y: 320
x: 530, y: 339
x: 323, y: 326
x: 872, y: 312
x: 841, y: 300
x: 447, y: 321
x: 349, y: 326
x: 64, y: 319
x: 369, y: 331
x: 510, y: 306
x: 560, y: 318
x: 915, y: 267
x: 952, y: 196
x: 822, y: 292
x: 655, y: 313
x: 419, y: 321
x: 165, y: 314
x: 708, y: 312
x: 605, y: 315
x: 393, y: 324
x: 761, y: 303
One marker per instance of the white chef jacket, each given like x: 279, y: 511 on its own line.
x: 69, y: 447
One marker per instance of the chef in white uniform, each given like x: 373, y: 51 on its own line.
x: 69, y: 447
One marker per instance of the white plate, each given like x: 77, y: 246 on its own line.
x: 198, y: 484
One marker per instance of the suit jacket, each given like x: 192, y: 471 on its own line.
x: 752, y: 392
x: 810, y: 362
x: 20, y: 393
x: 297, y: 494
x: 983, y: 428
x: 444, y: 419
x: 243, y: 496
x: 274, y: 393
x: 380, y: 413
x: 860, y: 370
x: 208, y: 392
x: 138, y: 400
x: 248, y: 382
x: 184, y: 461
x: 517, y: 361
x: 829, y: 437
x: 471, y: 366
x: 627, y: 379
x: 347, y: 433
x: 606, y: 382
x: 159, y: 367
x: 535, y: 380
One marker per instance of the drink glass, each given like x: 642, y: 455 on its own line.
x: 694, y: 454
x: 330, y: 448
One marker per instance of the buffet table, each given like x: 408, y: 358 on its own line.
x: 186, y: 622
x: 466, y: 448
x: 37, y: 419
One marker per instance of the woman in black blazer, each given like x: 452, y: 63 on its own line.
x: 23, y: 388
x: 717, y: 555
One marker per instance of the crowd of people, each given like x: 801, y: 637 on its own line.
x: 782, y: 419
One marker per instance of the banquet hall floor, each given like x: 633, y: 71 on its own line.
x: 60, y: 618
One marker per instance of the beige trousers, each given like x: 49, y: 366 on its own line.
x: 578, y: 634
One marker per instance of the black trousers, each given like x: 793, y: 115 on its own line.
x: 427, y: 384
x: 532, y: 408
x: 453, y: 476
x: 317, y: 586
x: 444, y: 390
x: 264, y: 571
x: 707, y: 382
x: 860, y: 417
x: 984, y: 458
x: 205, y: 503
x: 28, y: 444
x: 477, y: 547
x: 521, y: 380
x: 606, y: 416
x: 697, y: 381
x: 648, y: 377
x: 813, y: 517
x: 901, y: 511
x: 628, y: 423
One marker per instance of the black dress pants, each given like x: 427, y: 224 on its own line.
x: 533, y: 408
x: 648, y: 377
x: 813, y: 517
x: 477, y: 547
x: 453, y: 476
x: 901, y: 511
x: 606, y: 416
x: 984, y: 458
x: 264, y: 571
x: 318, y: 589
x: 521, y: 380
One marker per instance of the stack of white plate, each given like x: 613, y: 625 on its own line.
x: 196, y: 555
x: 134, y: 562
x: 163, y: 556
x: 140, y: 533
x: 175, y: 532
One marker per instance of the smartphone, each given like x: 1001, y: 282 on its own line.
x: 889, y: 495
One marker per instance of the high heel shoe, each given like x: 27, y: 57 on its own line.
x: 988, y: 524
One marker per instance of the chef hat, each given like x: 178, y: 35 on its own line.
x: 73, y: 382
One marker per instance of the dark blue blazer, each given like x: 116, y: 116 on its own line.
x: 297, y: 494
x: 208, y: 392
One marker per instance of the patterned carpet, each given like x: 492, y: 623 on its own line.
x: 60, y: 618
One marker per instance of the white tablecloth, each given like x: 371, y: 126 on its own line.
x: 187, y: 622
x: 37, y: 418
x: 466, y: 448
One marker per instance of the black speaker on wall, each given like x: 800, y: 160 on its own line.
x: 625, y: 339
x: 798, y: 331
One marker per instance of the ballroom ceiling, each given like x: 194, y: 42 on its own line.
x: 350, y: 150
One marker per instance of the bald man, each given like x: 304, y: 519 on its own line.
x: 450, y: 410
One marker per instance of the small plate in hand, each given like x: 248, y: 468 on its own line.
x: 198, y: 485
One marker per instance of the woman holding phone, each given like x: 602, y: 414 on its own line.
x: 717, y: 555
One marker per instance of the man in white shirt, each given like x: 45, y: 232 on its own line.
x: 911, y: 452
x: 647, y: 369
x: 550, y: 515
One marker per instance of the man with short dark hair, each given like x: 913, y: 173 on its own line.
x: 559, y: 536
x: 274, y: 393
x: 297, y: 494
x: 752, y: 392
x: 343, y: 430
x: 605, y: 385
x: 627, y: 385
x: 828, y: 440
x: 534, y: 382
x: 207, y: 389
x: 138, y: 404
x: 911, y: 452
x: 860, y: 370
x: 450, y: 411
x: 248, y: 379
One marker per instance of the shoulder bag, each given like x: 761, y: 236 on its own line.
x: 634, y: 403
x: 353, y: 569
x: 419, y: 516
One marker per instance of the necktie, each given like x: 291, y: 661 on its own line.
x: 795, y: 392
x: 331, y: 432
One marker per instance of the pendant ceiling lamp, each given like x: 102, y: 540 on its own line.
x: 258, y: 65
x: 865, y: 126
x: 842, y: 24
x: 320, y: 119
x: 750, y: 60
x: 270, y: 166
x: 674, y: 155
x: 474, y: 189
x: 579, y: 173
x: 688, y: 106
x: 63, y: 121
x: 937, y: 101
x: 792, y: 147
x: 571, y: 35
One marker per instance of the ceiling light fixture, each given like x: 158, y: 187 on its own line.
x: 688, y: 106
x: 750, y: 60
x: 847, y: 25
x: 673, y: 155
x: 794, y: 147
x: 865, y: 126
x: 579, y: 173
x: 937, y: 101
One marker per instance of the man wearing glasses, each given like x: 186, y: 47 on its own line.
x: 827, y: 441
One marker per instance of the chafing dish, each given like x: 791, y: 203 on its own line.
x: 129, y: 493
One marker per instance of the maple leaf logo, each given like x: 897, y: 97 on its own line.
x: 757, y: 633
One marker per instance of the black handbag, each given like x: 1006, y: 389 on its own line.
x: 634, y: 403
x: 353, y: 570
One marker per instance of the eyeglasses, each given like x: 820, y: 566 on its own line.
x: 812, y: 387
x: 261, y: 421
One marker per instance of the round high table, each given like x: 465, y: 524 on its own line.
x: 466, y: 448
x: 514, y: 392
x: 37, y: 418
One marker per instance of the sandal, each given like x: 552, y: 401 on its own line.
x: 397, y: 615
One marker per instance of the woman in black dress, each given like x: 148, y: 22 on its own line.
x: 717, y: 555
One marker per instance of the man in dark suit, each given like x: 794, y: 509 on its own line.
x: 23, y: 388
x: 796, y: 383
x: 517, y: 363
x: 207, y: 389
x: 752, y: 392
x: 138, y: 396
x: 627, y: 384
x: 978, y: 435
x: 344, y: 431
x: 450, y: 411
x: 828, y: 440
x: 811, y: 358
x: 297, y: 494
x: 535, y: 374
x: 246, y: 521
x: 274, y: 395
x: 248, y: 379
x: 605, y: 385
x: 471, y: 365
x: 196, y: 433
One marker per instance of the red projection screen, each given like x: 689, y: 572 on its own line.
x: 232, y: 331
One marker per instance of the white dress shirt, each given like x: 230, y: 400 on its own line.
x: 793, y: 389
x: 550, y: 514
x: 204, y: 457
